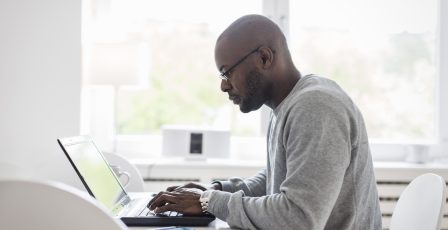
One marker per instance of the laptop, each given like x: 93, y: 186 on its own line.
x: 102, y: 184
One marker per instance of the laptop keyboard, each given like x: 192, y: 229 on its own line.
x: 147, y: 212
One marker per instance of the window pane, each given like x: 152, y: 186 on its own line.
x: 382, y: 52
x: 183, y: 83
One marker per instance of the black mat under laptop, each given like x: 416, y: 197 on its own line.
x: 101, y: 183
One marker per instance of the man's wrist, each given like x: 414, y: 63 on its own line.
x: 204, y: 199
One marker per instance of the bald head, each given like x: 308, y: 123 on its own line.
x: 251, y: 31
x: 252, y: 54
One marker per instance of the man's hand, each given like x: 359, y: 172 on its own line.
x: 203, y: 187
x: 182, y: 200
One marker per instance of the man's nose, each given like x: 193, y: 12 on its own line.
x: 225, y: 85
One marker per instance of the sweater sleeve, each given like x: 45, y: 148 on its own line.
x: 316, y: 139
x: 254, y: 186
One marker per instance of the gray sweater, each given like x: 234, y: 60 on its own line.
x: 319, y: 172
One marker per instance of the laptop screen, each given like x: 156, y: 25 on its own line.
x: 94, y: 171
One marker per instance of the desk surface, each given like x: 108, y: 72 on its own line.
x: 216, y: 224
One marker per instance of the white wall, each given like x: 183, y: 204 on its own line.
x: 40, y: 68
x: 443, y: 77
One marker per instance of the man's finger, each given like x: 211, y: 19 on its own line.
x: 165, y: 208
x: 154, y: 198
x: 163, y: 199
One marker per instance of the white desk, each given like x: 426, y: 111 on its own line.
x: 216, y: 224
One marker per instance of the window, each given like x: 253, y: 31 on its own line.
x: 383, y: 53
x: 181, y: 86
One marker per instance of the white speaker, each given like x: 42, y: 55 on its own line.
x: 195, y: 142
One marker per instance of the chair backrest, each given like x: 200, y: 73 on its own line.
x: 136, y: 183
x: 42, y: 205
x: 421, y: 204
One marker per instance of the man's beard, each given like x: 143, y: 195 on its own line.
x: 255, y: 96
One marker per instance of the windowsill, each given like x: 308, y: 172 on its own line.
x: 409, y: 165
x: 250, y: 149
x: 229, y: 163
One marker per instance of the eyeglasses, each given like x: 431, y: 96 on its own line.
x: 225, y: 76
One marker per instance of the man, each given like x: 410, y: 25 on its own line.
x: 319, y: 173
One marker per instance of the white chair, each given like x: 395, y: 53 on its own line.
x: 421, y: 204
x: 136, y: 183
x: 43, y: 205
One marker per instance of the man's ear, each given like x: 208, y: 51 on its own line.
x: 267, y: 56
